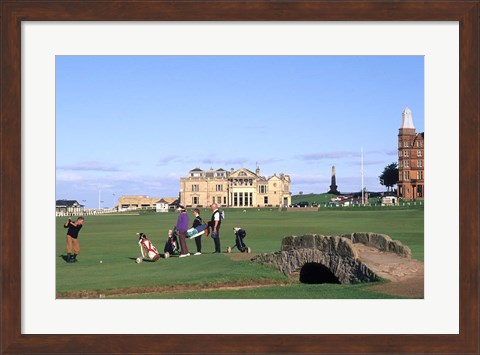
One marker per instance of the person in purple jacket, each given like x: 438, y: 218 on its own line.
x: 182, y: 226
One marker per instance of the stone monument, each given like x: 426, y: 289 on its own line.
x: 333, y: 185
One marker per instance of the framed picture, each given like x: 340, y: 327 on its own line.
x: 14, y: 172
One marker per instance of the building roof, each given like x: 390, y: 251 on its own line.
x: 139, y: 199
x: 67, y: 203
x: 242, y: 172
x: 167, y: 200
x: 407, y: 121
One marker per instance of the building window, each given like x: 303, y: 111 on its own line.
x: 419, y: 144
x: 406, y: 163
x: 406, y: 144
x: 420, y: 191
x: 219, y: 188
x: 405, y: 153
x: 419, y: 163
x: 420, y: 175
x: 262, y: 189
x: 406, y: 175
x: 224, y: 200
x: 240, y: 200
x: 235, y: 199
x: 195, y: 187
x: 419, y: 153
x: 399, y: 153
x: 195, y: 200
x: 251, y: 199
x: 265, y: 200
x: 219, y: 200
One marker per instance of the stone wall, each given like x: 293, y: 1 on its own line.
x: 334, y: 252
x: 382, y: 242
x: 337, y: 253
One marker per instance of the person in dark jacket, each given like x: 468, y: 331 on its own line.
x: 72, y: 238
x: 197, y: 222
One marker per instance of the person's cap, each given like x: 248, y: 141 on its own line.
x: 180, y: 208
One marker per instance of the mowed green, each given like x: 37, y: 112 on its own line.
x: 109, y: 248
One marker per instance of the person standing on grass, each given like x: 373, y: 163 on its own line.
x: 182, y: 226
x: 198, y: 221
x: 72, y: 238
x: 215, y: 223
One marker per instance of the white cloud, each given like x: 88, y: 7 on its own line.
x: 69, y: 176
x: 89, y: 166
x: 327, y: 155
x: 169, y: 159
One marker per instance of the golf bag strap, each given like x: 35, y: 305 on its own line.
x: 149, y: 247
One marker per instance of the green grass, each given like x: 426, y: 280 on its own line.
x: 313, y: 198
x: 295, y: 291
x: 112, y: 240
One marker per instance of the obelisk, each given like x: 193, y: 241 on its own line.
x: 333, y: 186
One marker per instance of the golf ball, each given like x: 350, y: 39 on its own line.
x: 101, y: 261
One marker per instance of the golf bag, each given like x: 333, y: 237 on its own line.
x: 171, y: 245
x: 196, y: 232
x: 147, y: 249
x: 240, y: 235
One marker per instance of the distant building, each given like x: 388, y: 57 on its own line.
x: 240, y: 188
x: 163, y: 205
x: 410, y: 160
x: 144, y: 202
x: 68, y: 207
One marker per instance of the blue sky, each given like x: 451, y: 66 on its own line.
x: 136, y: 124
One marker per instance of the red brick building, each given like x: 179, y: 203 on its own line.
x: 410, y: 160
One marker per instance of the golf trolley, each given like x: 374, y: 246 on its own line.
x: 148, y: 250
x: 240, y: 234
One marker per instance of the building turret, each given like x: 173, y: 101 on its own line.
x: 407, y: 126
x: 410, y: 184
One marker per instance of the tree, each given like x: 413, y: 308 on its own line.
x: 389, y: 176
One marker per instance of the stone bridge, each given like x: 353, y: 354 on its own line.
x: 330, y: 259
